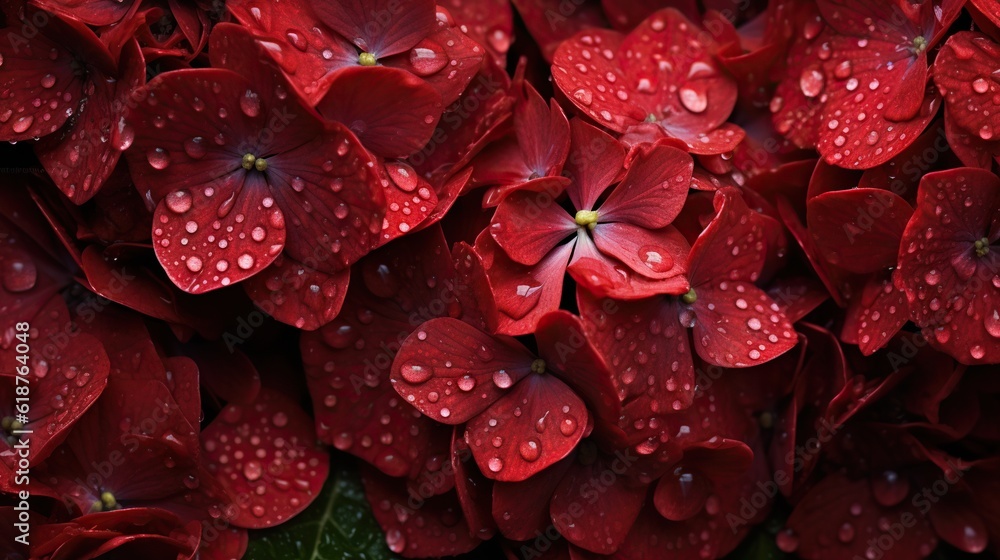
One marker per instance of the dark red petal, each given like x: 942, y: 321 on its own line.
x: 187, y: 242
x: 30, y: 74
x: 543, y: 133
x: 799, y: 99
x: 656, y: 343
x: 182, y: 378
x: 571, y: 356
x: 960, y: 526
x: 290, y: 471
x: 392, y: 112
x: 954, y: 293
x: 653, y: 191
x: 595, y: 160
x: 298, y: 295
x: 447, y: 59
x: 82, y: 156
x: 736, y: 324
x: 309, y: 52
x: 474, y: 490
x: 681, y: 494
x: 536, y: 424
x: 98, y: 13
x: 380, y: 27
x: 521, y: 508
x: 838, y: 518
x: 435, y: 529
x: 859, y: 229
x: 963, y: 72
x: 523, y: 293
x: 529, y: 226
x: 656, y: 254
x: 592, y: 513
x: 444, y: 353
x: 881, y: 309
x: 66, y: 379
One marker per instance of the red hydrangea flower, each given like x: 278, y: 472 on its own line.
x: 963, y: 72
x: 663, y: 73
x: 522, y: 413
x: 949, y: 263
x: 313, y: 41
x: 66, y: 88
x: 622, y: 246
x: 875, y: 77
x: 252, y: 174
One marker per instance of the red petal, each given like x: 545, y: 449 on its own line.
x: 297, y: 295
x: 954, y: 293
x: 963, y: 72
x: 543, y: 133
x: 80, y: 158
x: 602, y: 521
x: 660, y: 345
x: 392, y: 112
x: 446, y: 352
x: 606, y: 276
x: 656, y: 254
x: 838, y: 518
x: 653, y: 191
x: 529, y: 226
x: 521, y: 508
x: 447, y: 60
x: 522, y: 293
x: 572, y: 357
x: 731, y: 246
x: 549, y: 28
x: 681, y: 494
x: 799, y: 99
x: 33, y: 74
x: 881, y: 309
x: 595, y: 160
x: 66, y: 380
x: 308, y: 52
x: 960, y: 527
x: 186, y: 242
x: 626, y: 15
x: 380, y: 27
x: 291, y: 470
x: 473, y: 489
x: 435, y: 529
x: 489, y: 23
x: 536, y: 424
x: 859, y: 229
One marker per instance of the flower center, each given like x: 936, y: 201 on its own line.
x: 367, y: 59
x: 919, y: 44
x: 9, y: 425
x: 982, y: 247
x: 586, y: 218
x: 651, y: 118
x: 690, y: 297
x: 251, y: 161
x: 106, y: 503
x: 538, y: 366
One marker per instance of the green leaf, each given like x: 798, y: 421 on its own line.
x: 338, y: 526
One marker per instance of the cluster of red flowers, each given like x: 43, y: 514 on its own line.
x: 571, y: 279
